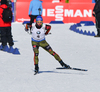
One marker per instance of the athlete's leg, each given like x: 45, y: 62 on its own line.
x: 48, y: 48
x: 36, y: 53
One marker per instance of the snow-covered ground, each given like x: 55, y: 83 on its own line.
x: 77, y: 50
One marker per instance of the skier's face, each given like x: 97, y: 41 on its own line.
x: 39, y: 22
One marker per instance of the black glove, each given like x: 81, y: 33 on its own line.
x: 94, y: 15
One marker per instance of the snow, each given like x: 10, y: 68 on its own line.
x: 77, y: 50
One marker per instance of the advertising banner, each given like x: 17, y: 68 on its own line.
x: 22, y: 11
x: 31, y: 0
x: 80, y: 1
x: 77, y: 13
x: 24, y: 0
x: 66, y: 12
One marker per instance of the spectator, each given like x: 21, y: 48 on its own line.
x: 96, y: 14
x: 35, y: 9
x: 5, y: 27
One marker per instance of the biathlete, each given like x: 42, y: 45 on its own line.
x: 38, y: 31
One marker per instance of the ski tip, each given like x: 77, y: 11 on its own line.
x: 85, y: 70
x: 79, y: 69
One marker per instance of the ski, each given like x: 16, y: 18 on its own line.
x: 73, y: 68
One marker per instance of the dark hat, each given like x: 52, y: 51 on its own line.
x: 3, y: 1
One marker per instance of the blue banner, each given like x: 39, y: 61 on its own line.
x: 13, y: 11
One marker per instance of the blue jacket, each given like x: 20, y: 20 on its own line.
x: 34, y: 6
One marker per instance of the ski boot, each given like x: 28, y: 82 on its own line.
x: 1, y: 47
x: 96, y: 36
x: 64, y: 65
x: 4, y: 48
x: 36, y: 69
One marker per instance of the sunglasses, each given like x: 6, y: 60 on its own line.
x: 39, y: 21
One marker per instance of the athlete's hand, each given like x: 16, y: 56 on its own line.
x: 93, y: 13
